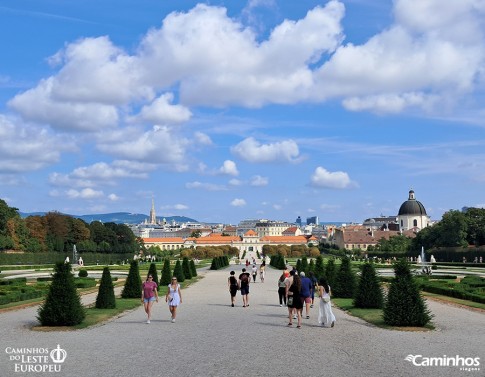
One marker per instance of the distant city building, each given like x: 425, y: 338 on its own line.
x: 271, y: 228
x: 298, y: 221
x: 312, y: 220
x: 360, y: 238
x: 382, y: 222
x: 412, y: 214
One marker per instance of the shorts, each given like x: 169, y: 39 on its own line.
x: 245, y: 290
x: 307, y: 300
x: 149, y: 299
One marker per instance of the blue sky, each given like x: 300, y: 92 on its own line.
x: 231, y: 110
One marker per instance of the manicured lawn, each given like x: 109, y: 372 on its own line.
x: 95, y: 316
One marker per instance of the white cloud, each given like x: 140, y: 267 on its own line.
x: 259, y: 181
x: 86, y: 193
x: 251, y: 150
x: 24, y: 148
x: 322, y: 178
x: 205, y: 186
x: 202, y: 138
x: 161, y: 111
x: 235, y: 182
x: 229, y: 168
x: 238, y: 202
x: 113, y: 197
x: 178, y: 207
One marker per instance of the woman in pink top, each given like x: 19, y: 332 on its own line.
x: 149, y: 294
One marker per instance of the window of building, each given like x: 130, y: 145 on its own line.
x: 415, y: 222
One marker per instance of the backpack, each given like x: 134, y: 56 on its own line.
x: 244, y: 279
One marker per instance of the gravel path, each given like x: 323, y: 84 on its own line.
x: 210, y: 338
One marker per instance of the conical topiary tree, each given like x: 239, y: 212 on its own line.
x: 62, y: 306
x: 153, y: 271
x: 369, y: 292
x: 304, y: 264
x: 186, y: 268
x: 106, y: 294
x: 330, y: 272
x: 178, y: 273
x: 298, y: 265
x: 311, y: 266
x: 193, y: 270
x: 133, y: 287
x: 344, y: 285
x: 319, y: 268
x: 404, y: 305
x: 166, y: 273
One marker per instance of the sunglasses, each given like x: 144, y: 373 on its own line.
x: 150, y: 277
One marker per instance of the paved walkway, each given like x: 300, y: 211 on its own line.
x: 210, y: 338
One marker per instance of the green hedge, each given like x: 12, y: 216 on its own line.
x: 456, y: 293
x: 85, y: 282
x: 13, y: 281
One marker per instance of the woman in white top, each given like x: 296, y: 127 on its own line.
x: 325, y: 315
x: 173, y: 297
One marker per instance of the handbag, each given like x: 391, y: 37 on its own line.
x: 326, y: 298
x: 290, y: 300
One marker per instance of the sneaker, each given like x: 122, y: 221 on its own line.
x: 173, y: 320
x: 232, y: 305
x: 307, y: 317
x: 281, y: 305
x: 333, y: 324
x: 148, y: 321
x: 311, y: 306
x: 294, y: 316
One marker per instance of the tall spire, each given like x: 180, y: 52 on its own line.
x: 153, y: 218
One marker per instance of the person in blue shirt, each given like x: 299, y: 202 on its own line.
x: 306, y: 293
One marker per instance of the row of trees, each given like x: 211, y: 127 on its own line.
x: 58, y: 232
x: 294, y: 251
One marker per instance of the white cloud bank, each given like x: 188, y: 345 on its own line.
x: 253, y: 151
x: 322, y: 178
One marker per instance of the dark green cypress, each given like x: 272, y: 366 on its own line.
x: 186, y: 268
x: 404, y: 305
x: 133, y: 287
x: 319, y: 268
x: 166, y: 278
x: 304, y: 265
x: 193, y: 270
x: 369, y: 292
x: 62, y: 306
x: 344, y: 285
x: 106, y: 294
x: 178, y: 273
x: 330, y: 272
x: 298, y: 265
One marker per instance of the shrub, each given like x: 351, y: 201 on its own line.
x: 369, y: 292
x: 193, y: 270
x: 62, y: 306
x: 132, y: 288
x: 344, y: 285
x: 304, y: 265
x: 106, y: 294
x: 186, y: 268
x: 404, y: 305
x: 82, y: 273
x: 178, y: 273
x: 166, y: 273
x: 319, y: 268
x: 84, y: 282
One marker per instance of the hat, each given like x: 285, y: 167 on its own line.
x: 302, y: 273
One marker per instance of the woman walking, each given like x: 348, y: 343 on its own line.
x: 325, y: 314
x: 232, y: 284
x: 149, y: 294
x: 282, y: 289
x: 173, y: 297
x: 294, y: 300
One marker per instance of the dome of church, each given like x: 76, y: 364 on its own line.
x: 412, y: 206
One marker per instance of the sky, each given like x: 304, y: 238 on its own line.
x: 230, y: 110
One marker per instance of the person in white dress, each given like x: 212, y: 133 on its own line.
x: 325, y: 315
x: 173, y: 297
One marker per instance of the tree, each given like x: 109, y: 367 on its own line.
x: 330, y: 272
x: 106, y: 294
x: 404, y: 305
x: 344, y: 285
x: 304, y: 264
x: 475, y: 218
x: 369, y: 292
x: 133, y: 287
x: 166, y: 273
x: 178, y: 273
x: 452, y: 229
x: 193, y: 270
x: 186, y: 268
x: 153, y: 271
x: 62, y: 306
x: 319, y: 267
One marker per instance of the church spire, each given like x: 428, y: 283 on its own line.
x: 153, y: 218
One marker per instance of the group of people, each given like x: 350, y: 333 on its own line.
x: 149, y: 295
x: 295, y: 290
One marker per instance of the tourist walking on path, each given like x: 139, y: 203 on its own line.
x: 232, y: 284
x: 254, y: 272
x: 282, y: 289
x: 262, y: 269
x: 244, y: 279
x: 173, y: 297
x: 294, y: 300
x: 306, y: 293
x: 325, y: 315
x: 149, y: 294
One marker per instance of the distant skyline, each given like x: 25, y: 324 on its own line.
x: 225, y: 111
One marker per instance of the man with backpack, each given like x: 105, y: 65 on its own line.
x: 244, y: 285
